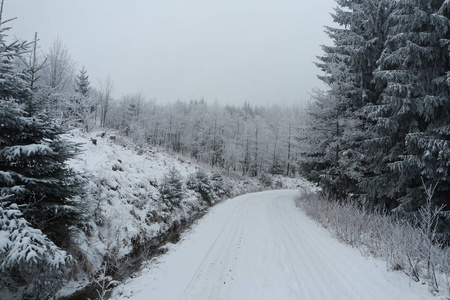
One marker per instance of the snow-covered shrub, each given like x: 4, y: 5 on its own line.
x: 278, y: 183
x: 28, y: 258
x: 200, y: 183
x: 277, y: 169
x: 219, y: 187
x: 266, y: 180
x: 171, y: 187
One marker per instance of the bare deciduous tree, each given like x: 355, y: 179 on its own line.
x: 106, y: 88
x: 59, y: 71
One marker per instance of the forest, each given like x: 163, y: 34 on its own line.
x: 377, y: 137
x: 380, y: 135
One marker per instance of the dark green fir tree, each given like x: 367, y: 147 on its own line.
x: 37, y: 188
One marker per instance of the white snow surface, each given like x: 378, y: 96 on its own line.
x: 261, y: 246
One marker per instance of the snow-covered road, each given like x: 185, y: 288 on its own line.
x: 261, y: 246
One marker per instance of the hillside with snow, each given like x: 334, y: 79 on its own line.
x: 124, y: 206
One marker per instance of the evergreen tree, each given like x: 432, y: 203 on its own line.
x: 171, y: 187
x: 428, y: 151
x: 81, y: 104
x: 319, y: 138
x: 34, y: 65
x: 82, y: 83
x: 386, y: 111
x: 33, y: 167
x: 35, y: 184
x: 413, y: 102
x: 218, y: 186
x: 27, y: 255
x: 200, y: 182
x: 339, y: 122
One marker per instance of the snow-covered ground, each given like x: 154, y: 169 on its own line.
x: 261, y: 246
x: 122, y: 203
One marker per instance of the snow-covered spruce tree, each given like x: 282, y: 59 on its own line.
x: 81, y: 103
x: 35, y: 185
x: 412, y: 113
x: 266, y: 180
x: 82, y: 83
x: 171, y: 187
x: 28, y: 259
x: 200, y: 182
x: 319, y: 139
x: 33, y: 164
x: 337, y: 119
x: 429, y: 149
x: 34, y: 64
x: 219, y: 188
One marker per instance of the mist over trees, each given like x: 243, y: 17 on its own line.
x: 249, y: 140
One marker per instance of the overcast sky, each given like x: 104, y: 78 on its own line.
x: 231, y: 51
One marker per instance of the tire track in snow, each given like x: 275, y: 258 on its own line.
x: 310, y: 264
x: 220, y: 260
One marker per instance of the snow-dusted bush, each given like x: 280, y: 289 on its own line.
x: 28, y: 258
x: 266, y: 180
x: 171, y: 187
x: 219, y: 188
x: 410, y: 247
x: 277, y: 168
x: 200, y: 183
x: 278, y: 184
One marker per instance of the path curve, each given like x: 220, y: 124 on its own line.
x: 261, y: 246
